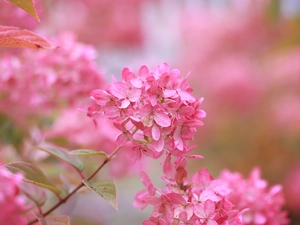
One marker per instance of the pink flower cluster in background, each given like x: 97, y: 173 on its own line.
x: 37, y: 83
x: 12, y: 204
x: 155, y: 110
x: 264, y: 204
x: 229, y: 199
x: 200, y: 200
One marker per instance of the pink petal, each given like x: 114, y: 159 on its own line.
x: 145, y: 110
x: 167, y: 167
x: 170, y: 93
x: 209, y: 207
x: 118, y: 89
x: 155, y: 132
x: 186, y: 111
x: 121, y: 139
x: 136, y: 155
x: 127, y: 75
x: 212, y: 222
x: 199, y: 211
x: 112, y: 111
x: 162, y: 119
x: 134, y: 95
x: 175, y: 74
x: 136, y: 83
x: 185, y: 96
x: 143, y: 72
x: 125, y: 103
x: 145, y: 178
x: 101, y: 97
x: 159, y: 145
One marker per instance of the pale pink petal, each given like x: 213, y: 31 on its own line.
x: 199, y: 211
x: 118, y: 89
x: 136, y: 155
x: 175, y: 74
x: 143, y: 72
x: 168, y: 167
x: 121, y: 139
x: 112, y: 111
x: 101, y: 97
x: 155, y: 132
x: 134, y: 95
x: 185, y: 96
x: 169, y: 93
x: 159, y: 145
x: 125, y: 103
x: 209, y: 207
x: 212, y: 222
x: 162, y: 119
x: 137, y: 83
x: 127, y: 74
x: 186, y: 111
x: 145, y: 110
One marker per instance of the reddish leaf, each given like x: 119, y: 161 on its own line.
x: 53, y: 220
x: 58, y: 220
x: 27, y: 6
x: 21, y: 38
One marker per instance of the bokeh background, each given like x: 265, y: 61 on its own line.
x: 243, y: 57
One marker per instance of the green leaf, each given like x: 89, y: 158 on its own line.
x: 106, y: 189
x: 62, y: 154
x: 87, y: 152
x: 32, y: 174
x: 27, y: 6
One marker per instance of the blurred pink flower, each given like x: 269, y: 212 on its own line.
x: 35, y: 84
x: 99, y: 22
x: 68, y: 127
x: 201, y: 200
x: 264, y: 204
x: 11, y: 15
x: 291, y: 190
x: 13, y: 205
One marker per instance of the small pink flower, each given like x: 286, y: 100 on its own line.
x: 13, y: 205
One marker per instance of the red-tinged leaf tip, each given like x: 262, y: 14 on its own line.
x: 20, y: 38
x: 195, y: 156
x: 27, y: 6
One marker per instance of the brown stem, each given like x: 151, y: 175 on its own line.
x: 63, y: 200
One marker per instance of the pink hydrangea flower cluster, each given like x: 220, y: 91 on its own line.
x: 264, y: 204
x: 154, y: 110
x: 200, y: 200
x: 35, y: 83
x: 12, y: 204
x: 229, y: 199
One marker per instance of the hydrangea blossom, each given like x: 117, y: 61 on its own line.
x: 154, y: 110
x: 200, y: 200
x: 229, y: 199
x: 12, y: 204
x: 264, y: 203
x: 35, y: 83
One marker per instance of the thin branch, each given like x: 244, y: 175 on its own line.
x: 63, y: 200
